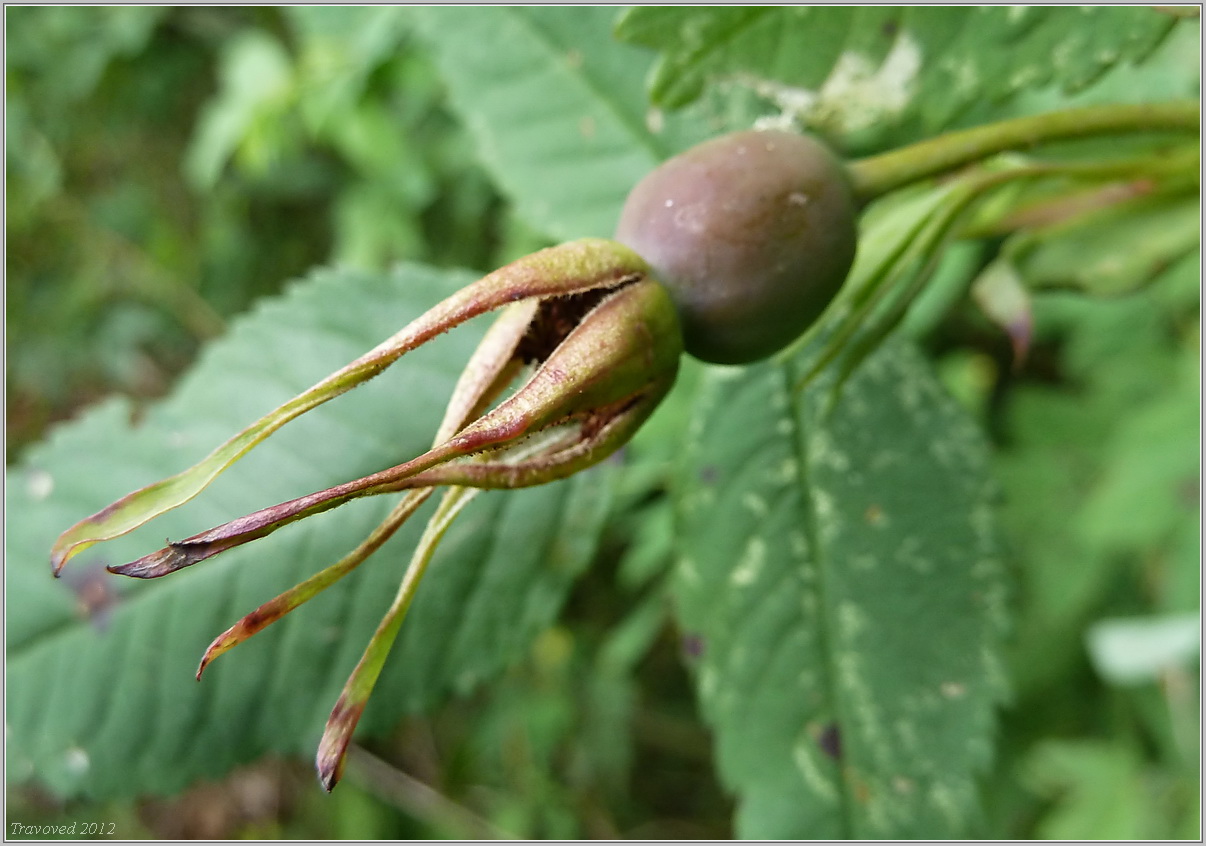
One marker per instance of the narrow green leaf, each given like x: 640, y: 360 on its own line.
x: 841, y: 594
x: 900, y: 238
x: 557, y: 108
x: 106, y: 703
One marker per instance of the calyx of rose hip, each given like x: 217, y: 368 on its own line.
x: 603, y: 339
x: 603, y: 344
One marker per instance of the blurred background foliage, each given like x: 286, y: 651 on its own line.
x: 167, y: 167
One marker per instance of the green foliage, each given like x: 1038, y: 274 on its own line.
x: 559, y: 114
x: 169, y: 166
x: 848, y: 73
x: 817, y: 550
x: 782, y: 611
x: 1103, y: 793
x: 1119, y: 454
x: 1117, y: 249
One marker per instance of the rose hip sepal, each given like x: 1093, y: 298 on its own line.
x: 587, y: 398
x: 566, y: 281
x: 490, y: 367
x: 604, y: 343
x: 356, y: 691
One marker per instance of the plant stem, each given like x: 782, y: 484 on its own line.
x: 418, y: 799
x: 875, y: 176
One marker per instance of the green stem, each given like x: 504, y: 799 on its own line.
x: 875, y: 176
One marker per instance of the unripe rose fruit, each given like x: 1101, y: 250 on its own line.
x: 753, y: 233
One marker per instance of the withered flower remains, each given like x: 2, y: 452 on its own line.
x: 601, y: 340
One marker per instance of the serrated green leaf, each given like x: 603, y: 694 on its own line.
x: 106, y: 704
x: 557, y: 108
x: 1170, y: 72
x: 840, y: 583
x: 845, y: 70
x: 702, y: 43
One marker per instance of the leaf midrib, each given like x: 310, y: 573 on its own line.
x: 795, y: 413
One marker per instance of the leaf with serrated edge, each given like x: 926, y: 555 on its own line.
x: 558, y: 111
x: 840, y: 588
x: 849, y: 70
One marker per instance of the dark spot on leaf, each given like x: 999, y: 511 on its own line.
x: 830, y: 741
x: 1190, y: 491
x: 890, y: 28
x: 259, y: 619
x: 138, y: 412
x: 693, y: 646
x: 94, y: 593
x: 708, y: 474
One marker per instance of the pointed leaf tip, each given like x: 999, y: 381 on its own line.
x: 335, y: 739
x: 173, y: 557
x: 222, y: 643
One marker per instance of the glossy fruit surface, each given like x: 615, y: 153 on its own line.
x: 753, y: 233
